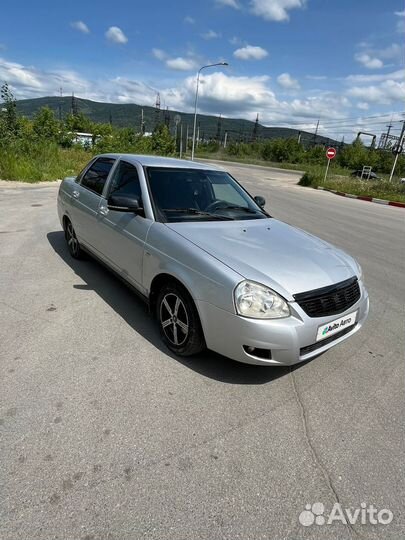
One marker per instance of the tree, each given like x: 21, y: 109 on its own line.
x: 9, y: 120
x: 79, y: 122
x: 45, y: 125
x: 162, y: 142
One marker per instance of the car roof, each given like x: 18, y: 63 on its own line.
x: 157, y: 161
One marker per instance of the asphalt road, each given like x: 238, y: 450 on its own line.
x: 106, y: 435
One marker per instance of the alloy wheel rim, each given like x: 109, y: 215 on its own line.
x: 174, y: 319
x: 71, y: 239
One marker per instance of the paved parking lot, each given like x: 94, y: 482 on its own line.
x: 106, y: 435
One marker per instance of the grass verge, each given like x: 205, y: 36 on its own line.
x: 379, y: 189
x: 40, y: 162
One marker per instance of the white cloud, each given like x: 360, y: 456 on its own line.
x: 390, y: 53
x: 81, y: 26
x: 181, y: 64
x: 210, y: 35
x: 316, y: 77
x: 387, y: 93
x: 363, y: 105
x: 189, y: 20
x: 401, y: 26
x: 240, y: 97
x: 234, y: 40
x: 250, y: 52
x: 359, y: 79
x: 286, y: 81
x: 275, y: 10
x: 367, y: 61
x: 401, y: 22
x: 159, y: 54
x: 116, y: 35
x: 229, y: 3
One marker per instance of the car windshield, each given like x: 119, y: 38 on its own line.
x: 194, y: 194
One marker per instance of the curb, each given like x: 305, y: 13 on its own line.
x: 364, y: 198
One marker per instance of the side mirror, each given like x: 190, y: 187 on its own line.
x: 125, y: 203
x: 261, y: 201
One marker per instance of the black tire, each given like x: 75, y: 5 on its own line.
x: 182, y: 332
x: 72, y: 242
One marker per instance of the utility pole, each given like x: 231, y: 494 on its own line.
x: 299, y: 137
x: 60, y: 104
x: 316, y: 131
x: 181, y: 140
x: 157, y: 110
x: 255, y: 129
x: 198, y: 135
x: 225, y: 138
x: 400, y: 146
x: 186, y: 138
x: 218, y: 135
x: 142, y: 123
x: 74, y: 107
x: 167, y: 117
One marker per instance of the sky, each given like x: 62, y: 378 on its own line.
x: 294, y: 62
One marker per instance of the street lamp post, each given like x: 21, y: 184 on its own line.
x: 196, y: 101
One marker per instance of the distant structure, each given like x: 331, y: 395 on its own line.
x: 157, y: 110
x: 255, y: 129
x: 387, y: 141
x: 85, y: 139
x: 373, y: 137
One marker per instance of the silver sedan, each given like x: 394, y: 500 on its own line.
x: 215, y: 268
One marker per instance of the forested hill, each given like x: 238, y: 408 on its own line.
x: 129, y: 115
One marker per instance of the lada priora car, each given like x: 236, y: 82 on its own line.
x: 216, y: 269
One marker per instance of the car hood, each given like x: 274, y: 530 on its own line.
x: 271, y: 252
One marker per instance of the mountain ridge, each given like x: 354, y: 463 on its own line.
x: 130, y: 115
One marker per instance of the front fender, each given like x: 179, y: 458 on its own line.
x: 206, y: 278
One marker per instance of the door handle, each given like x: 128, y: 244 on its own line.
x: 75, y: 194
x: 103, y: 210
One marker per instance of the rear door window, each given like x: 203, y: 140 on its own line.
x: 125, y: 180
x: 96, y: 176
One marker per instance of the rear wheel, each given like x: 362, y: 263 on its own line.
x: 179, y: 324
x: 72, y: 241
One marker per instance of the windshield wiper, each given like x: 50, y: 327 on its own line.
x: 236, y: 207
x: 194, y: 211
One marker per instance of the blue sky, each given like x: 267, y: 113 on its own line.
x: 291, y: 61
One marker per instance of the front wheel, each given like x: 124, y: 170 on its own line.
x: 179, y: 324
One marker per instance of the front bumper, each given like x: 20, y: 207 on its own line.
x: 227, y: 333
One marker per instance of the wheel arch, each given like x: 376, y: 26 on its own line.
x: 163, y: 279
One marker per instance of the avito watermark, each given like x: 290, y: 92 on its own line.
x: 315, y: 514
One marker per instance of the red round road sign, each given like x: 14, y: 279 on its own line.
x: 330, y: 153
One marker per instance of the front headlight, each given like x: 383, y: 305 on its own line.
x: 259, y: 302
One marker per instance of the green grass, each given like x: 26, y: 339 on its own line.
x: 379, y: 189
x: 28, y: 162
x: 252, y: 161
x: 40, y: 162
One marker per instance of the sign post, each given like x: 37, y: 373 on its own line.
x: 330, y: 154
